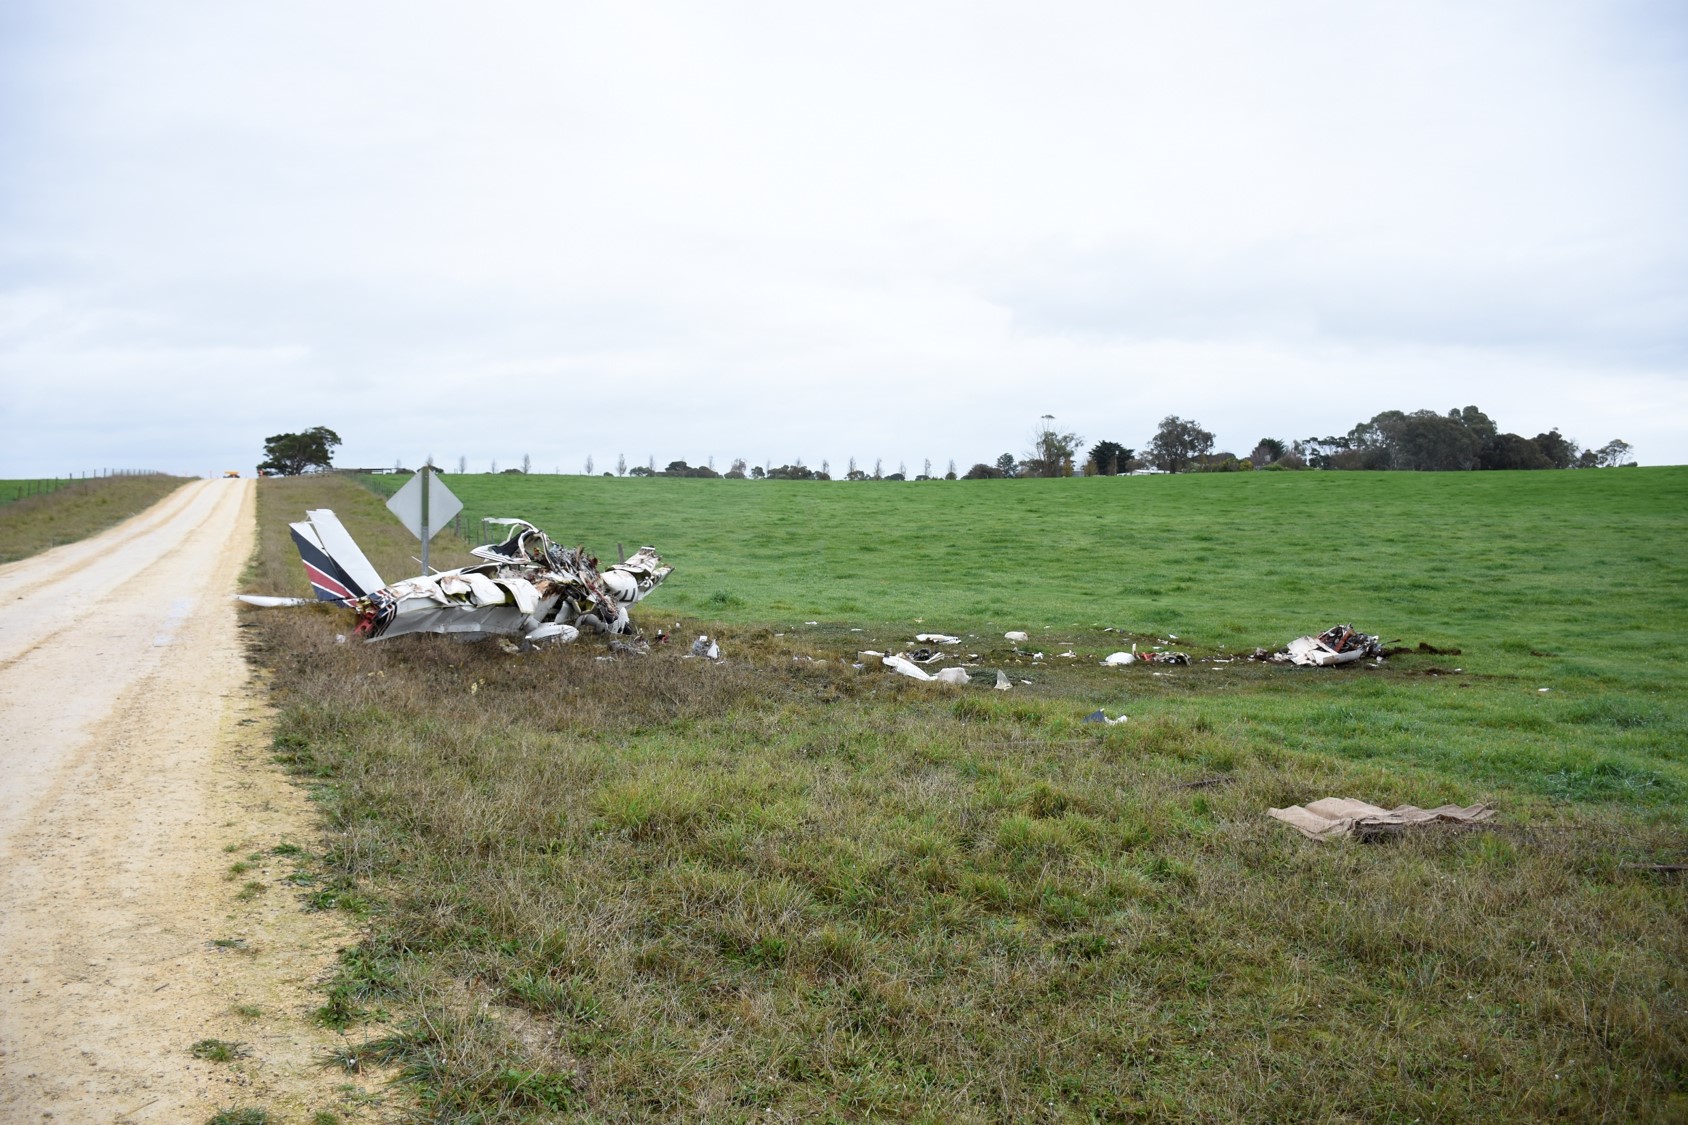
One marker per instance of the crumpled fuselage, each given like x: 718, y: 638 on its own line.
x: 528, y: 587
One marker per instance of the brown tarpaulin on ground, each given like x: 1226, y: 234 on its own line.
x: 1344, y: 816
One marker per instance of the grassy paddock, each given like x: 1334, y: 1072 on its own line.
x: 779, y: 888
x: 74, y: 510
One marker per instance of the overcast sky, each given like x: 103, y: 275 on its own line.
x: 821, y: 231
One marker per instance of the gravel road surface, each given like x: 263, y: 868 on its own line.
x: 134, y: 776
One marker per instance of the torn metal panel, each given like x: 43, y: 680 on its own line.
x: 1335, y: 817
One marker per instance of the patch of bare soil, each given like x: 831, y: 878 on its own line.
x: 144, y: 905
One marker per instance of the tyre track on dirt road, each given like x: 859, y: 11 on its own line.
x: 133, y: 767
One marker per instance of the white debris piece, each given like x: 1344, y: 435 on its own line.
x: 937, y: 638
x: 706, y: 647
x: 951, y: 676
x: 1002, y: 682
x: 1016, y: 636
x: 907, y: 667
x: 1117, y: 658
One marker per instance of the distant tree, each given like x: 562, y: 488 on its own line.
x: 711, y: 461
x: 288, y: 455
x: 1476, y: 421
x: 926, y: 470
x: 738, y: 467
x: 494, y: 468
x: 850, y: 473
x: 826, y: 468
x: 676, y: 469
x: 1051, y: 453
x: 621, y: 464
x: 1006, y: 466
x: 757, y: 472
x: 527, y: 464
x: 895, y: 476
x: 650, y: 463
x: 1178, y: 443
x: 1512, y: 451
x: 1429, y: 442
x: 982, y: 471
x: 791, y: 472
x: 855, y: 473
x: 1267, y: 450
x: 1109, y: 457
x: 878, y: 472
x: 430, y: 462
x: 462, y: 464
x: 902, y: 471
x: 1556, y: 447
x: 950, y: 475
x: 734, y: 474
x: 641, y: 471
x: 1613, y: 454
x: 588, y: 464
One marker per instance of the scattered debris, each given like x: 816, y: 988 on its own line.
x: 1340, y: 644
x: 1205, y: 783
x: 1332, y: 817
x: 1016, y: 636
x: 937, y: 638
x: 1116, y: 659
x: 1100, y: 716
x: 912, y: 670
x: 1002, y: 682
x: 705, y: 646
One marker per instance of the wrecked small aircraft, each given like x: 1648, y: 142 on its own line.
x: 1340, y: 644
x: 529, y: 587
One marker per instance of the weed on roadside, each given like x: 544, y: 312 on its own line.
x: 219, y: 1050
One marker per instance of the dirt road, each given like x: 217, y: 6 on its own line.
x: 142, y: 905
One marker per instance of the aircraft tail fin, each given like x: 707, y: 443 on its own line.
x: 335, y: 564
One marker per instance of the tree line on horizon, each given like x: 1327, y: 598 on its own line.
x: 1463, y: 439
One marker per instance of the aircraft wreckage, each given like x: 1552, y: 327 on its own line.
x: 528, y: 587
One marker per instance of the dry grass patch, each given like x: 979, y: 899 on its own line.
x: 75, y: 511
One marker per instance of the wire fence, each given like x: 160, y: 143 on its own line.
x: 11, y: 490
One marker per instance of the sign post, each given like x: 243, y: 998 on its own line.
x: 424, y: 505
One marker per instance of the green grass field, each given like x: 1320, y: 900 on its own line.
x: 781, y: 888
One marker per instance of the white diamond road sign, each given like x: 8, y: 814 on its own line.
x: 406, y: 504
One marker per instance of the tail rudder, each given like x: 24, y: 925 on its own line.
x: 336, y: 567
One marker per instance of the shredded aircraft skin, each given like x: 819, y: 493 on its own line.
x: 528, y: 587
x: 528, y: 581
